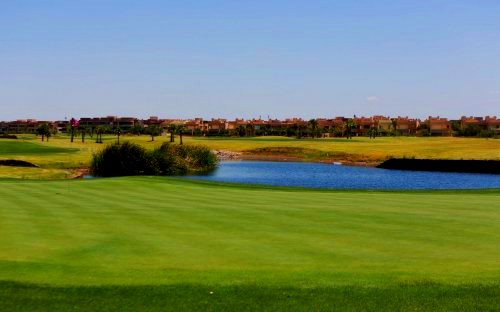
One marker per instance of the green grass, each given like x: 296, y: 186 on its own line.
x: 365, y: 149
x: 113, y: 244
x: 9, y: 148
x: 60, y: 158
x: 418, y: 297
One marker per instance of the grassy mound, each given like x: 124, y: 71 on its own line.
x: 129, y: 159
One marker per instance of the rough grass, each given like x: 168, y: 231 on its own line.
x: 165, y: 243
x: 72, y: 156
x: 378, y: 149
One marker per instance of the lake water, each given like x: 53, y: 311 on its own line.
x: 343, y: 177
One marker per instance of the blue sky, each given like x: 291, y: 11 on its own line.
x: 248, y: 58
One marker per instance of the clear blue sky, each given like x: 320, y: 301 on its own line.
x: 232, y: 58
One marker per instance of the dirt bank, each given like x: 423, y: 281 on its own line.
x: 297, y: 154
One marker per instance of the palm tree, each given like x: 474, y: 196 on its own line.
x: 118, y: 132
x: 300, y: 130
x: 40, y: 131
x: 137, y: 129
x: 241, y: 130
x: 72, y: 127
x: 44, y: 131
x: 83, y: 132
x: 394, y: 123
x: 153, y: 131
x: 99, y: 130
x: 172, y: 128
x: 350, y: 124
x: 48, y: 134
x: 249, y: 129
x: 313, y: 124
x: 180, y: 128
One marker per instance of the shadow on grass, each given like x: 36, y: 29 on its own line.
x: 405, y: 297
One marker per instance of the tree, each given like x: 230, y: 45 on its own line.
x: 300, y: 129
x: 153, y: 131
x: 44, y: 131
x: 48, y: 134
x: 118, y: 132
x: 373, y: 132
x: 83, y: 132
x: 172, y: 129
x: 313, y: 125
x: 456, y: 126
x: 350, y: 124
x: 137, y: 129
x: 241, y: 130
x: 99, y: 130
x: 394, y: 123
x: 180, y: 129
x: 72, y: 127
x: 250, y: 129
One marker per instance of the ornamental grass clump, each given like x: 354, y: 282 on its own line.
x: 129, y: 159
x: 126, y: 159
x: 194, y: 157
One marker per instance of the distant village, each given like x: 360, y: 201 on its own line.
x: 488, y: 126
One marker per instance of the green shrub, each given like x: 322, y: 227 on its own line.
x: 168, y: 161
x: 423, y: 133
x: 128, y: 159
x: 487, y: 134
x: 124, y: 159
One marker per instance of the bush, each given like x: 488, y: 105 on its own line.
x: 487, y: 134
x: 423, y: 133
x: 124, y: 159
x: 129, y: 159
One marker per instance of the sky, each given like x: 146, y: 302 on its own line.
x: 250, y: 59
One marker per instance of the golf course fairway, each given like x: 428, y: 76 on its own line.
x: 155, y: 243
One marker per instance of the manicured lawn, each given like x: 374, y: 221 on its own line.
x: 11, y: 147
x: 166, y: 243
x: 420, y: 297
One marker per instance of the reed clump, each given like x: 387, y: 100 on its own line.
x: 129, y: 159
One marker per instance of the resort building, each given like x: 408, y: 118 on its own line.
x: 363, y: 125
x: 472, y: 121
x: 382, y: 124
x: 124, y: 123
x: 407, y: 126
x: 492, y: 124
x: 217, y: 125
x: 324, y: 127
x: 439, y: 126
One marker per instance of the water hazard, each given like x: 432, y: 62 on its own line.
x: 316, y: 175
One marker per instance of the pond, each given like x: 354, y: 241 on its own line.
x: 317, y: 175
